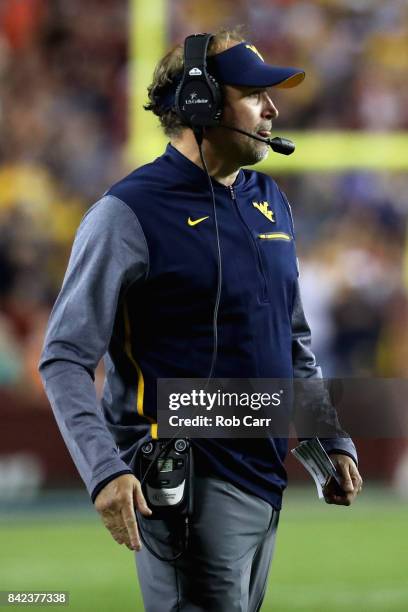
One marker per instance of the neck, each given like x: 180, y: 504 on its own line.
x: 222, y: 170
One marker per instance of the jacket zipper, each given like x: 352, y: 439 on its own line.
x: 261, y: 271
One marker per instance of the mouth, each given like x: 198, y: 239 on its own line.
x: 264, y: 133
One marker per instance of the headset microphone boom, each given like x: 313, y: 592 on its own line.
x: 277, y: 144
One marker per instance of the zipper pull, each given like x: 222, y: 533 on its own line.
x: 232, y: 192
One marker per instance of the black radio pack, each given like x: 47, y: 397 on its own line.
x: 166, y: 474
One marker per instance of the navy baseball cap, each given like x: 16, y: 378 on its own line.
x: 243, y: 65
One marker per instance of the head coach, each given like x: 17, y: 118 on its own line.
x: 185, y: 240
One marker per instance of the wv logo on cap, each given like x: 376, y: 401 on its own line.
x: 263, y: 207
x: 255, y: 50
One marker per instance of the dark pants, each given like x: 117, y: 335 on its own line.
x: 225, y: 567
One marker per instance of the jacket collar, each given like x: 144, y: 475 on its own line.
x: 194, y: 174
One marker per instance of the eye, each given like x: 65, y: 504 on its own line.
x: 256, y: 93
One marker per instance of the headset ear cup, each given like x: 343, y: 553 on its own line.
x: 198, y: 100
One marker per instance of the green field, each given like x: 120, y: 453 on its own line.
x: 327, y: 558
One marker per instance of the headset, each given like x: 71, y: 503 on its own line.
x: 198, y: 96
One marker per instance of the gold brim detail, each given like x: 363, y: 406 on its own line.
x: 292, y: 81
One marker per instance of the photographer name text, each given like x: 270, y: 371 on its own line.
x: 219, y: 421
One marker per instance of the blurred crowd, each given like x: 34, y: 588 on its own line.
x: 351, y: 232
x: 63, y: 126
x: 63, y: 121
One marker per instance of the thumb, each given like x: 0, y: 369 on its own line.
x: 139, y: 500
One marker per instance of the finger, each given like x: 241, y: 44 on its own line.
x: 129, y: 520
x: 358, y: 484
x: 119, y: 539
x: 344, y: 500
x: 116, y: 527
x: 356, y: 478
x: 140, y: 501
x: 115, y: 530
x: 332, y: 487
x: 111, y: 522
x: 346, y: 481
x: 334, y: 497
x: 329, y: 492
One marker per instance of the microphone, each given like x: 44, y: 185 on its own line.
x: 282, y: 145
x: 278, y: 144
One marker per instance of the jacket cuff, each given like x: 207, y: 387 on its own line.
x: 104, y: 482
x: 343, y: 446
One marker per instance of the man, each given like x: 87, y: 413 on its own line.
x: 140, y: 290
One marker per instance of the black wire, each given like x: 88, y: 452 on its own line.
x: 219, y: 265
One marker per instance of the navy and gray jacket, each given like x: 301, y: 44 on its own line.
x: 140, y: 290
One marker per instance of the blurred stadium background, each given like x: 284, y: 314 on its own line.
x: 72, y: 82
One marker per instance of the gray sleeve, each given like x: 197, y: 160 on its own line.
x: 303, y: 358
x: 305, y: 366
x: 108, y: 255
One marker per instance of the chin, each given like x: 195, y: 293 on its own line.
x: 256, y: 155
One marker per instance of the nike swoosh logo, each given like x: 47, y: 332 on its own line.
x: 196, y: 221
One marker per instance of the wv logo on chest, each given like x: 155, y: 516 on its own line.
x: 263, y: 208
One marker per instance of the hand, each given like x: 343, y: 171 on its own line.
x: 116, y: 504
x: 351, y: 481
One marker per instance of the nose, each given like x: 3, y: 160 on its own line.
x: 269, y: 109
